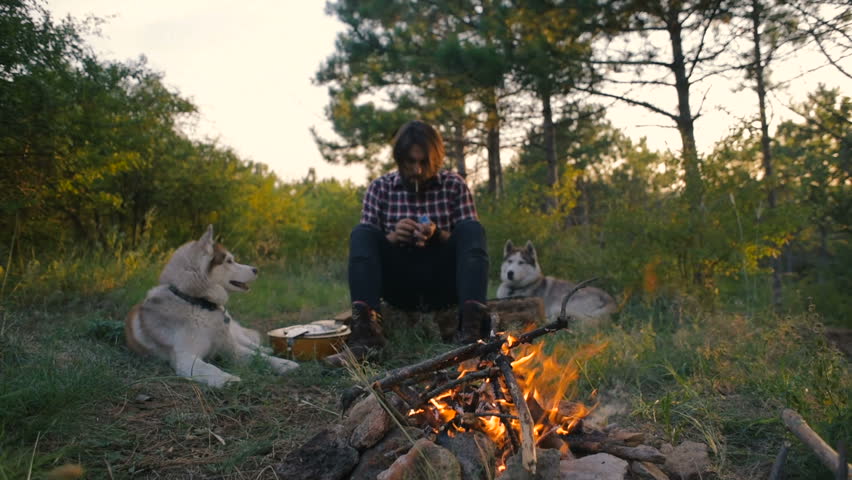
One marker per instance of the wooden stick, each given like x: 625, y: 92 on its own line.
x: 777, y: 471
x: 562, y: 314
x: 410, y: 398
x: 528, y: 453
x: 496, y: 414
x: 498, y: 395
x: 796, y: 424
x: 470, y: 377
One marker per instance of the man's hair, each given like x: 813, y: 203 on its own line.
x: 422, y: 134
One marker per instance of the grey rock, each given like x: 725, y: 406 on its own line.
x: 647, y: 471
x: 600, y: 466
x: 380, y: 457
x: 546, y: 468
x: 476, y: 453
x: 326, y: 456
x: 687, y: 461
x: 368, y: 422
x: 425, y: 461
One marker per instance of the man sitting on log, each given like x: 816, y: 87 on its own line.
x: 419, y: 245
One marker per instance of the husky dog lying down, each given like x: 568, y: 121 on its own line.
x: 520, y: 276
x: 183, y: 320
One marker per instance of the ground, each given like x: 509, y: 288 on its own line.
x: 70, y: 392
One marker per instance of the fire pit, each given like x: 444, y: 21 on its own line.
x: 484, y: 410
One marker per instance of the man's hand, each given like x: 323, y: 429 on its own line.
x: 403, y: 232
x: 423, y: 233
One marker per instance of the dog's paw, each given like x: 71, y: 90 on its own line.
x: 219, y: 381
x: 281, y: 365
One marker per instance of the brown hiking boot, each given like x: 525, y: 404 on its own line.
x: 366, y: 338
x: 475, y: 323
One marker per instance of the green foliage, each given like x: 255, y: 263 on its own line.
x: 98, y: 180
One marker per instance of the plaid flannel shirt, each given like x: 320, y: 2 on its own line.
x: 446, y: 200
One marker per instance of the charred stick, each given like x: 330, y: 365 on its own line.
x: 496, y: 414
x: 796, y: 424
x: 410, y: 398
x: 470, y: 377
x: 453, y: 357
x: 528, y: 453
x: 498, y: 394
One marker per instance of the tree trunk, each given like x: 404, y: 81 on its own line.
x: 685, y: 122
x: 550, y: 148
x: 824, y: 256
x: 458, y: 147
x: 768, y: 175
x: 492, y: 144
x: 686, y: 127
x: 549, y: 142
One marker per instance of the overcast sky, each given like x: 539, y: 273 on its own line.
x: 248, y: 66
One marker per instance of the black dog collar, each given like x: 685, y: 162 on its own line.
x: 200, y: 302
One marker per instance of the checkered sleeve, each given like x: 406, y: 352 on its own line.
x: 463, y: 207
x: 371, y: 212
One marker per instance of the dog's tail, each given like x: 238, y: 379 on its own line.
x: 131, y: 326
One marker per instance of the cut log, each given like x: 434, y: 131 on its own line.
x: 796, y: 424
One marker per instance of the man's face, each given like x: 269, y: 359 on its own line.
x: 415, y: 168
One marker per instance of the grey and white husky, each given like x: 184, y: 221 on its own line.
x: 183, y: 319
x: 520, y: 276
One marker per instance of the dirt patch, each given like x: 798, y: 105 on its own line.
x: 181, y: 429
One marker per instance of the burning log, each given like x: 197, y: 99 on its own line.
x: 498, y: 395
x: 796, y: 424
x: 468, y: 378
x: 528, y: 453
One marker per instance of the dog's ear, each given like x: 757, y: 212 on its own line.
x: 507, y: 249
x: 530, y: 250
x: 206, y: 240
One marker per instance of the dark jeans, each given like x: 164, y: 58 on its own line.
x: 431, y: 277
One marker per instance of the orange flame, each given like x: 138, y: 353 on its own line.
x: 545, y: 378
x: 548, y: 377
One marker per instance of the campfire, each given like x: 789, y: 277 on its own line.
x: 505, y: 396
x: 513, y: 395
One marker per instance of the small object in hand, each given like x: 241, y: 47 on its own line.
x: 423, y: 220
